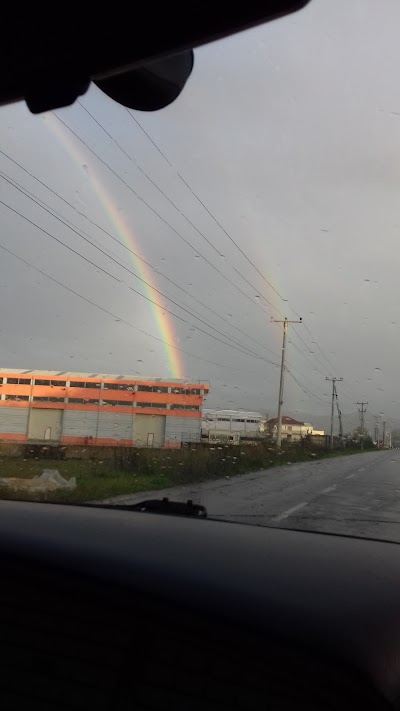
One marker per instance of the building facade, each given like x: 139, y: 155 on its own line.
x: 98, y: 409
x: 292, y: 430
x: 231, y: 425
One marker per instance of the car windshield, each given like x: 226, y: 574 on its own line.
x: 200, y: 302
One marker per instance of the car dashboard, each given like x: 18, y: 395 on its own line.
x: 113, y: 609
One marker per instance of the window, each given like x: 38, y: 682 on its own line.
x: 48, y: 399
x: 119, y: 386
x: 186, y: 407
x: 156, y: 405
x: 83, y: 384
x: 52, y: 383
x: 41, y: 382
x: 152, y: 389
x: 119, y: 403
x: 75, y: 400
x: 18, y: 381
x: 17, y: 398
x: 289, y: 428
x: 223, y: 419
x: 92, y: 402
x: 239, y: 420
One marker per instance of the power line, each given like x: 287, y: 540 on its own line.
x: 330, y: 365
x: 114, y: 316
x: 49, y: 234
x: 148, y: 136
x: 213, y: 217
x: 123, y: 267
x: 180, y: 212
x: 121, y: 244
x: 153, y: 210
x: 303, y: 387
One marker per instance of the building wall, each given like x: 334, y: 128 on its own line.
x: 114, y: 426
x: 182, y: 429
x: 45, y: 424
x: 81, y: 409
x: 245, y: 424
x: 149, y: 430
x: 13, y: 423
x: 78, y: 424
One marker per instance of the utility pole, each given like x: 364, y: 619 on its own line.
x: 285, y: 323
x: 362, y: 413
x: 333, y: 381
x: 339, y: 412
x: 377, y: 423
x: 383, y: 434
x: 334, y: 394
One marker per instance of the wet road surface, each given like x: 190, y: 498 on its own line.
x: 352, y: 495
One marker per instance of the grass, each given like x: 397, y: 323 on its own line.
x: 133, y: 471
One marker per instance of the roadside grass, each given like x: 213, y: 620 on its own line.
x: 133, y: 471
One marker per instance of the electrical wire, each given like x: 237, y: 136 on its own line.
x: 231, y: 239
x: 247, y: 258
x: 49, y: 234
x: 114, y: 316
x: 121, y: 244
x: 303, y: 387
x: 155, y: 212
x: 185, y: 217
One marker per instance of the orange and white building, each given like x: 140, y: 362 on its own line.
x: 98, y: 409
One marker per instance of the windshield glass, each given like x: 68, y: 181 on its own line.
x: 201, y: 301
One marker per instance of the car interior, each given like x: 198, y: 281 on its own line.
x: 157, y: 606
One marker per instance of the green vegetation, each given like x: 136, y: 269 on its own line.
x: 134, y: 470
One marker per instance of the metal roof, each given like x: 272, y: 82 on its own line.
x: 68, y: 375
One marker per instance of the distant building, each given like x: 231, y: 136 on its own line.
x: 98, y: 409
x: 231, y: 425
x: 292, y: 430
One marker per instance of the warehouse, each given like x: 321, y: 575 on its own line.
x: 98, y: 409
x: 231, y: 425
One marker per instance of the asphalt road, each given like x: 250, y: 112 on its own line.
x: 353, y: 495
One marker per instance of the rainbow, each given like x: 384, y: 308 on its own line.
x: 125, y: 234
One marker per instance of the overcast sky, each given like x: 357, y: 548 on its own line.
x: 289, y: 135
